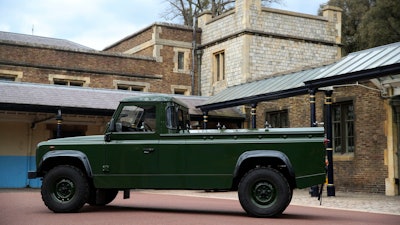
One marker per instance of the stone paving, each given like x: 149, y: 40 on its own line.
x: 365, y: 202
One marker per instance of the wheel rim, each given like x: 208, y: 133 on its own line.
x: 64, y: 190
x: 263, y: 193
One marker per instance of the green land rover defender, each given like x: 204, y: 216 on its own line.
x: 149, y: 145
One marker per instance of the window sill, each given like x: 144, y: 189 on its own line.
x: 343, y: 157
x: 181, y: 71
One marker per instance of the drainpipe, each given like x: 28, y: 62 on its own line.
x: 199, y: 55
x: 329, y: 144
x: 193, y: 53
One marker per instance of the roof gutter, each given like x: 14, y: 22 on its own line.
x: 255, y: 99
x: 380, y: 71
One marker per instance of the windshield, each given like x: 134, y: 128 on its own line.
x: 137, y: 118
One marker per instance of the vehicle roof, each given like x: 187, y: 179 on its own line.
x: 154, y: 98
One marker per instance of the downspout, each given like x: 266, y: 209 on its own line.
x: 193, y: 53
x: 199, y: 55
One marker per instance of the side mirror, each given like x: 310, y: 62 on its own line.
x: 111, y: 125
x: 118, y: 127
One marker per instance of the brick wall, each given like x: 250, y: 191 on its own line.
x: 102, y: 68
x: 159, y: 41
x: 364, y: 170
x: 132, y: 40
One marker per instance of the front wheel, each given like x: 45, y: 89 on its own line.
x: 65, y: 189
x: 264, y: 192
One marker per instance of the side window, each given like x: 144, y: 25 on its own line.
x: 137, y: 119
x: 171, y: 118
x: 177, y: 118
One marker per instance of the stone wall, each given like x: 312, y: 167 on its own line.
x: 260, y: 42
x: 270, y: 55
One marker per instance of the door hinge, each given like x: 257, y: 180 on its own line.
x: 106, y: 168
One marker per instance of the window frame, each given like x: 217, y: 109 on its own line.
x: 11, y: 75
x: 341, y: 125
x: 131, y: 85
x: 72, y: 83
x: 181, y: 60
x: 219, y: 66
x: 57, y: 79
x: 181, y: 90
x: 279, y: 114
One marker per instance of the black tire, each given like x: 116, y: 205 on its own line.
x: 65, y: 189
x: 101, y: 197
x: 264, y: 192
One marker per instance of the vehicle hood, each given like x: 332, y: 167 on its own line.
x: 93, y: 139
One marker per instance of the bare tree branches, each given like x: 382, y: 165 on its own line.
x: 187, y: 9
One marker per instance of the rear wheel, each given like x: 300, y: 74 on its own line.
x: 264, y: 192
x: 65, y: 189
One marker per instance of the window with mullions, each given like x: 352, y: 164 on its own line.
x: 277, y: 119
x: 130, y: 87
x: 6, y: 78
x: 343, y: 127
x: 219, y: 66
x: 69, y: 82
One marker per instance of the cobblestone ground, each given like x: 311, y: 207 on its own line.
x: 364, y: 202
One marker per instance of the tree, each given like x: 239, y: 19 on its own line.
x: 368, y: 23
x: 353, y: 11
x: 188, y: 9
x: 380, y: 25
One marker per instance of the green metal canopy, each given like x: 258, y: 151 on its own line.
x: 363, y: 65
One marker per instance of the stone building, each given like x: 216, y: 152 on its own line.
x: 252, y: 42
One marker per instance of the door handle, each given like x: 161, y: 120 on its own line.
x: 148, y: 150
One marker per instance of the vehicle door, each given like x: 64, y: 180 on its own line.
x: 132, y: 156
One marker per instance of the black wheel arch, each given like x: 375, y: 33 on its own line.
x: 64, y: 157
x: 263, y: 158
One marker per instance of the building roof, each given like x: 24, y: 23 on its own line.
x: 43, y: 41
x: 80, y: 100
x: 363, y: 65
